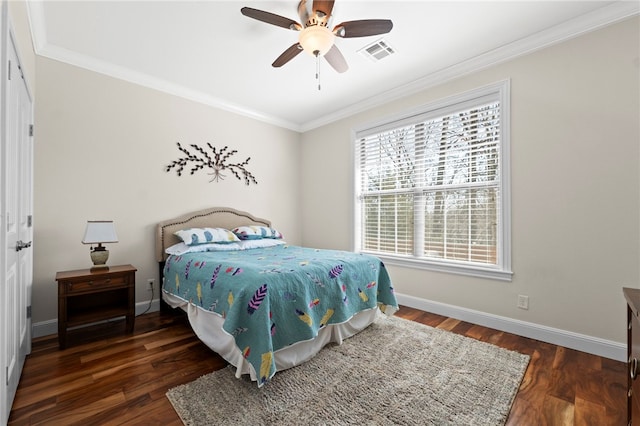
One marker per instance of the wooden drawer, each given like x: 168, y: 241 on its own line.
x: 74, y: 287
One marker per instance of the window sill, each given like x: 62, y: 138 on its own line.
x: 460, y: 269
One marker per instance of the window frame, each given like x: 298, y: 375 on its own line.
x: 500, y: 91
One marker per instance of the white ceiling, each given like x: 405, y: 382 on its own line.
x: 209, y: 52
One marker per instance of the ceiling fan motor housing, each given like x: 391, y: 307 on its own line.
x: 312, y: 17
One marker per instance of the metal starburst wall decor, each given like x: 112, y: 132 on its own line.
x: 217, y: 162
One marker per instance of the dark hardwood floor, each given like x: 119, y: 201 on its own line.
x: 114, y: 379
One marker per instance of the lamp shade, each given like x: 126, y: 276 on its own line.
x: 100, y: 231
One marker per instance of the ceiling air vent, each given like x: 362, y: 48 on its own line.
x: 377, y: 50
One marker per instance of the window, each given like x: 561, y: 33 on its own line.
x: 432, y: 186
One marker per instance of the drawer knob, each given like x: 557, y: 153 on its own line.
x: 633, y: 368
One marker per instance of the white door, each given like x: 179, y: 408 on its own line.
x: 18, y: 201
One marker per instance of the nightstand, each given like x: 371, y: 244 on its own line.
x: 88, y: 296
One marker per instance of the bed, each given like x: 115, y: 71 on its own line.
x: 262, y: 304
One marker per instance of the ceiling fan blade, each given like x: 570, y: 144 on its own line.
x: 324, y: 6
x: 363, y: 28
x: 271, y: 18
x: 336, y: 60
x: 287, y: 55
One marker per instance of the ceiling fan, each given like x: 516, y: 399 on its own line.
x: 315, y: 36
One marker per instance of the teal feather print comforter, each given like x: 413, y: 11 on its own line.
x: 273, y: 297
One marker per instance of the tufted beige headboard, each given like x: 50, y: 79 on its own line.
x: 215, y: 217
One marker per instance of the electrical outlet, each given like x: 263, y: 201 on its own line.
x: 523, y: 301
x: 151, y: 282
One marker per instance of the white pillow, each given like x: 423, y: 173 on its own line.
x: 182, y: 248
x: 251, y: 244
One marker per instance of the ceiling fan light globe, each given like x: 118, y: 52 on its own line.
x: 316, y: 38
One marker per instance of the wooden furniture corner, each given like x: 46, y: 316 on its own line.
x: 633, y: 354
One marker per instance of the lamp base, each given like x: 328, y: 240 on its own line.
x: 99, y: 258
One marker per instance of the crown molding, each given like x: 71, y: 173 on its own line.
x: 575, y: 27
x: 43, y: 48
x: 142, y: 79
x: 592, y: 21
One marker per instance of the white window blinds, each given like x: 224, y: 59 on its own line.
x: 429, y: 186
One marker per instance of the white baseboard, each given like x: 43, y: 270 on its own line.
x: 141, y: 307
x: 46, y: 328
x: 581, y: 342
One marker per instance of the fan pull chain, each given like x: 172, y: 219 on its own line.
x: 318, y: 67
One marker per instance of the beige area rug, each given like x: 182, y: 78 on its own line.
x: 394, y: 372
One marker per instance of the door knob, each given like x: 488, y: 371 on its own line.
x: 21, y: 245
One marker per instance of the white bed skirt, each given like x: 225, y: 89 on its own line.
x: 208, y: 327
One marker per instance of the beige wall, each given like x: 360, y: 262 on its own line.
x: 101, y: 151
x: 575, y: 186
x: 102, y: 145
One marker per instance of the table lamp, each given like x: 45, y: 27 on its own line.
x: 100, y: 232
